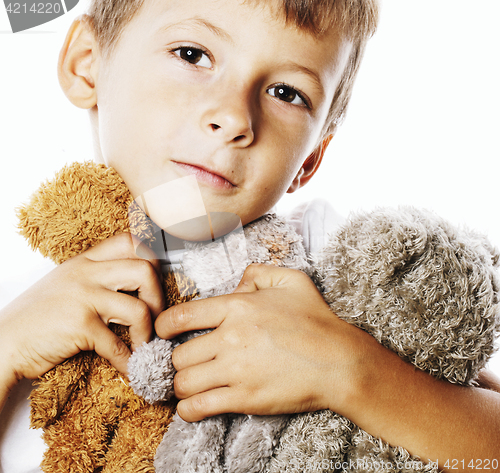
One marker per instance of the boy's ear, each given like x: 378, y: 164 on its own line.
x: 77, y: 65
x: 310, y: 166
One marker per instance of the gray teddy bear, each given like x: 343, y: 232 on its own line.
x: 422, y: 288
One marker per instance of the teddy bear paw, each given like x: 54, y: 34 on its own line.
x: 151, y: 372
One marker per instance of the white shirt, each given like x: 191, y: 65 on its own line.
x: 21, y: 448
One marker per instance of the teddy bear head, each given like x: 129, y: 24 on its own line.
x: 421, y: 287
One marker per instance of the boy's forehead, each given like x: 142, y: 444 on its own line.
x: 251, y: 17
x: 308, y: 19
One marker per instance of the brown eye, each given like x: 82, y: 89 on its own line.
x: 190, y: 55
x: 194, y: 56
x: 287, y: 94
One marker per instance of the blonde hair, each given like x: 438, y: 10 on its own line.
x: 356, y: 20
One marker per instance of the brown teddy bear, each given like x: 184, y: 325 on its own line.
x: 91, y: 418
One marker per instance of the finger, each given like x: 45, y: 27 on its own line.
x: 198, y: 379
x: 118, y: 308
x: 261, y: 276
x: 132, y: 275
x: 195, y: 351
x: 192, y: 315
x: 488, y: 380
x: 123, y: 246
x: 208, y: 404
x: 110, y: 346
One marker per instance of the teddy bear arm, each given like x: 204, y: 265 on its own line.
x: 192, y: 446
x: 55, y: 388
x: 137, y: 437
x: 250, y: 442
x: 311, y: 442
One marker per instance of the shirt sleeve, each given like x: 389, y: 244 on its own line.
x: 315, y: 221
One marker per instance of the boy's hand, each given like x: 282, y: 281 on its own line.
x: 68, y: 310
x: 277, y: 348
x: 273, y: 349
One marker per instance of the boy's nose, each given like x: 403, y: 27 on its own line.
x: 230, y: 122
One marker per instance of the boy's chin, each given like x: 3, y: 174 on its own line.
x: 205, y: 227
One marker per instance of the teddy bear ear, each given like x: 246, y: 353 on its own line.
x: 82, y: 205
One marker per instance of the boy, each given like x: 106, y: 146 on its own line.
x: 245, y: 96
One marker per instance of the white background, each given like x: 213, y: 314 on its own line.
x: 422, y: 128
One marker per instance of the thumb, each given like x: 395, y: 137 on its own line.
x: 112, y: 348
x: 261, y: 276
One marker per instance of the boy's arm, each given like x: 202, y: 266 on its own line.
x: 277, y: 348
x: 7, y: 381
x: 68, y: 311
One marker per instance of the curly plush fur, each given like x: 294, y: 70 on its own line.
x: 420, y: 287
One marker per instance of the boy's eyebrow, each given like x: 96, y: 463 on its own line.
x: 198, y: 22
x: 296, y: 67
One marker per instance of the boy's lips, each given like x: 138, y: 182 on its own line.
x: 207, y: 176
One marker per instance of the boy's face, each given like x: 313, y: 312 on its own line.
x: 219, y: 89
